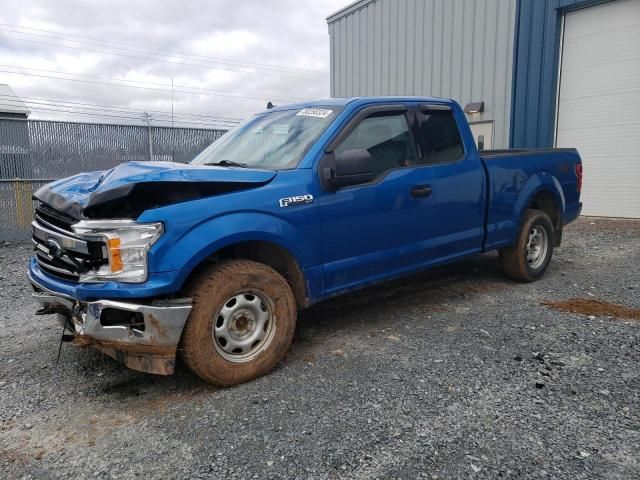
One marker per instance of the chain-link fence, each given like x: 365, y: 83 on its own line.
x: 35, y: 152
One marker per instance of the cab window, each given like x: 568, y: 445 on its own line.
x: 386, y: 137
x: 441, y: 141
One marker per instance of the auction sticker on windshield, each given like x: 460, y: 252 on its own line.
x: 314, y: 112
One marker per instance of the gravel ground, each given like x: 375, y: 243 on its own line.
x: 454, y: 373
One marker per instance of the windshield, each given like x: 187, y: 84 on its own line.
x: 271, y: 141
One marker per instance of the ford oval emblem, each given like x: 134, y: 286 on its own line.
x: 55, y: 249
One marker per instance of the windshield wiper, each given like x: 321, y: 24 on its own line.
x: 227, y: 163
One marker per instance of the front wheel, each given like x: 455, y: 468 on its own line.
x: 529, y: 258
x: 241, y: 324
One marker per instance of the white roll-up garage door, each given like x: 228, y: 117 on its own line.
x: 599, y: 104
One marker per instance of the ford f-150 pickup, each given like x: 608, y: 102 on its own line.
x: 212, y: 260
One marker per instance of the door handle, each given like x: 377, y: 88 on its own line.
x: 421, y: 191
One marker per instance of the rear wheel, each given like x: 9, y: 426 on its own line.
x: 529, y: 258
x: 242, y: 322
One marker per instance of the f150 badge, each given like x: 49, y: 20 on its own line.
x: 297, y: 200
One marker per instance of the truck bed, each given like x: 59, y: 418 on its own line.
x: 516, y: 175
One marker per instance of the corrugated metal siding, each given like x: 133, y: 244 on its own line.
x: 460, y: 49
x: 535, y: 79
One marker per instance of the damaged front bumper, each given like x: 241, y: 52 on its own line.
x: 143, y: 336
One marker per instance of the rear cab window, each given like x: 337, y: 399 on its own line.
x: 440, y: 139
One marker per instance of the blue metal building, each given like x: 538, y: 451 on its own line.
x: 532, y: 73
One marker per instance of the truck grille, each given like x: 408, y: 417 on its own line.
x: 59, y: 251
x: 50, y: 216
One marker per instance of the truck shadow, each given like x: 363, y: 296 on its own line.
x: 431, y: 290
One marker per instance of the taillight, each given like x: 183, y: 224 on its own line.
x: 579, y: 176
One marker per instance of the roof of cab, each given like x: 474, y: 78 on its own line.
x: 344, y: 101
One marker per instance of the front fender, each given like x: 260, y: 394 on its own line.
x: 193, y: 246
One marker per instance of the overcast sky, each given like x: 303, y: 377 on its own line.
x: 269, y: 50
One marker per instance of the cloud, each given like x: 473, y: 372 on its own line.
x: 263, y: 49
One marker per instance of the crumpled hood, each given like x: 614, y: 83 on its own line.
x: 130, y: 188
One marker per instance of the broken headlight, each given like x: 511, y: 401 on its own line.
x: 126, y: 243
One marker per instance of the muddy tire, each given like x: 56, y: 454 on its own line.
x: 528, y: 259
x: 241, y: 324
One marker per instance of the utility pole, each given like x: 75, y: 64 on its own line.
x: 171, y: 102
x: 147, y: 118
x: 173, y: 138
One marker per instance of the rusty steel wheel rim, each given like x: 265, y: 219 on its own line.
x: 244, y: 326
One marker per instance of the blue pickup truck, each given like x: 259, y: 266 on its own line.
x: 212, y: 260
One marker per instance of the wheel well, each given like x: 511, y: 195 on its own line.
x: 270, y: 254
x: 546, y: 201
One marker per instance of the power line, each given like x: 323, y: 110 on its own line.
x: 147, y: 57
x: 124, y: 80
x: 19, y: 29
x: 43, y: 106
x: 146, y: 82
x: 4, y: 104
x: 51, y: 102
x: 125, y: 117
x: 201, y: 91
x: 55, y: 102
x: 110, y: 43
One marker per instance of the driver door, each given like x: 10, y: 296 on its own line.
x: 374, y: 230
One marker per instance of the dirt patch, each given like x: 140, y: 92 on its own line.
x: 76, y: 427
x: 604, y: 225
x: 477, y: 287
x: 589, y: 306
x: 310, y: 358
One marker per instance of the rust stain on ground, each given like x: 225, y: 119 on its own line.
x: 589, y: 306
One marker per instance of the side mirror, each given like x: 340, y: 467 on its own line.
x: 351, y: 167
